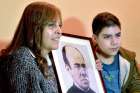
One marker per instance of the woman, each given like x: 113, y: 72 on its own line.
x: 38, y: 33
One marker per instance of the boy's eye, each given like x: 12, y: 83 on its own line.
x: 107, y: 36
x: 118, y: 35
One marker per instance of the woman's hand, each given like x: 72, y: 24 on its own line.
x: 99, y: 65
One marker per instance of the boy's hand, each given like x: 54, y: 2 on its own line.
x: 99, y: 65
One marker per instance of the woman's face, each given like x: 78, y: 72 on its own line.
x: 51, y: 35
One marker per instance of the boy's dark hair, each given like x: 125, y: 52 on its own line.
x: 104, y: 19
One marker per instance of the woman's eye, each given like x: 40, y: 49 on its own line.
x: 51, y: 25
x: 60, y: 25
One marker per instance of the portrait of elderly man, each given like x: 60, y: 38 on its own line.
x: 76, y: 66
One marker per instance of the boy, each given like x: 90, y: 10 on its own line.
x: 119, y: 71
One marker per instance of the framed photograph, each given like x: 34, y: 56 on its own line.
x: 80, y: 74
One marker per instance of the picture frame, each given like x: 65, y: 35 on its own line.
x: 85, y: 46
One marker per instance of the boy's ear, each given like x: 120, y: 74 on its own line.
x: 94, y: 38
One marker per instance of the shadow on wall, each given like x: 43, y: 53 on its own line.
x: 74, y: 26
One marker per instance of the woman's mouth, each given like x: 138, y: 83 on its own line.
x: 56, y: 39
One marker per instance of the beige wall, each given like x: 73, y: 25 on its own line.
x: 77, y: 16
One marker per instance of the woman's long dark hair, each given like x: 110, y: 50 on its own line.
x: 29, y: 31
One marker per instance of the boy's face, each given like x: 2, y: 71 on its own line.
x: 109, y: 40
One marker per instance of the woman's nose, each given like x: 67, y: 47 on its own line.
x: 58, y: 30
